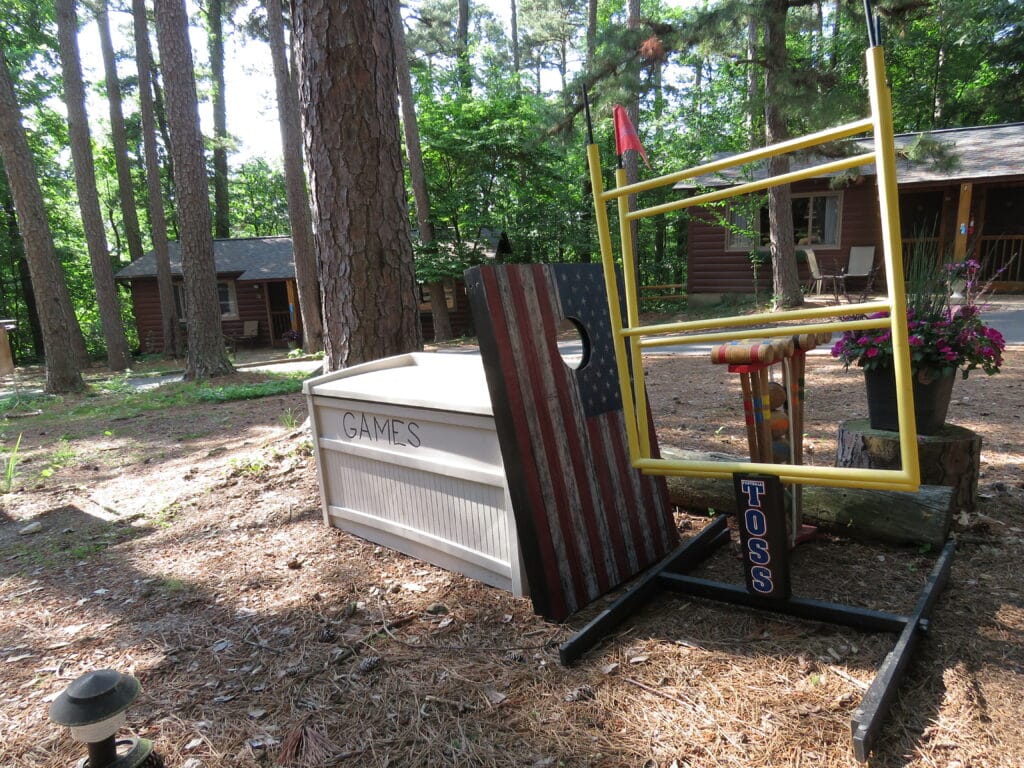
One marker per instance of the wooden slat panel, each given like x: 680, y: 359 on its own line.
x: 587, y: 521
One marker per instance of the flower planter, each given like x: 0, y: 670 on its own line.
x: 931, y: 400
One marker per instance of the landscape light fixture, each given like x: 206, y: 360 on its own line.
x: 94, y: 707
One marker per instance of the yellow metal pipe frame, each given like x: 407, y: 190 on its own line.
x: 630, y: 338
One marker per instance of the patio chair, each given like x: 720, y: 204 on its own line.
x: 250, y: 331
x: 818, y: 277
x: 860, y: 264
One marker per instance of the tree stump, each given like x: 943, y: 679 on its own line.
x: 951, y: 457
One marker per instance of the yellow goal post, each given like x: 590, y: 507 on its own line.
x: 631, y: 338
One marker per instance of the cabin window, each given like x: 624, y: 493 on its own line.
x: 816, y: 219
x: 226, y: 296
x: 743, y: 234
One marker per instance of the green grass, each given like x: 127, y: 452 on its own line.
x: 250, y: 465
x: 249, y: 391
x: 9, y: 467
x: 289, y: 419
x: 112, y: 399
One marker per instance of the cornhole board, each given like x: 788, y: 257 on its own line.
x: 586, y: 520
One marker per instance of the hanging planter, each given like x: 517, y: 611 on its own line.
x: 931, y: 399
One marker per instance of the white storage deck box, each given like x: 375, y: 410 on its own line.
x: 408, y: 457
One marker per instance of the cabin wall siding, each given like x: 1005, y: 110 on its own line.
x: 249, y: 295
x: 713, y: 269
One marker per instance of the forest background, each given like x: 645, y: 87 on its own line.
x: 496, y: 104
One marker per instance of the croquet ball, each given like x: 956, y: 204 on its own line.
x: 776, y: 395
x: 779, y: 425
x: 780, y: 449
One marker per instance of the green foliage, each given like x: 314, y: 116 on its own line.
x: 226, y: 393
x: 259, y: 201
x: 9, y: 467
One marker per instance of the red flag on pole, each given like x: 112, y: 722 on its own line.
x: 625, y: 134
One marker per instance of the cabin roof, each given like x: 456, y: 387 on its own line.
x: 985, y: 152
x: 247, y: 258
x: 270, y: 258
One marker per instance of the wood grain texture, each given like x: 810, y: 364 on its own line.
x: 587, y: 521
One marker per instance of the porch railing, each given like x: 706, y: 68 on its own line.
x: 280, y: 322
x: 1001, y: 257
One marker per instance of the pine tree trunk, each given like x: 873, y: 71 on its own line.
x: 160, y: 113
x: 57, y: 321
x: 125, y: 185
x: 514, y: 24
x: 118, y: 357
x: 785, y: 275
x: 303, y: 249
x: 349, y: 102
x: 462, y: 45
x: 215, y: 40
x: 438, y: 308
x: 206, y: 354
x: 18, y: 267
x: 173, y: 344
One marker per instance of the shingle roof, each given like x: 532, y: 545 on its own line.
x: 984, y: 153
x: 249, y: 258
x: 266, y: 258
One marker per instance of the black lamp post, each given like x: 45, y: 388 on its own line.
x: 93, y: 707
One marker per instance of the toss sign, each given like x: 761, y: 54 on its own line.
x: 761, y: 510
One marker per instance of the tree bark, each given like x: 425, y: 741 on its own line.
x: 303, y: 249
x: 924, y: 517
x: 438, y: 303
x: 109, y: 305
x: 57, y: 320
x: 173, y: 344
x: 160, y: 113
x: 215, y: 41
x: 630, y: 161
x: 20, y: 274
x: 785, y: 274
x: 349, y: 104
x: 462, y: 45
x: 206, y: 354
x: 125, y: 185
x: 514, y: 24
x: 591, y: 31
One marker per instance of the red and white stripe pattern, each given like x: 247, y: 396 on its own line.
x: 587, y: 521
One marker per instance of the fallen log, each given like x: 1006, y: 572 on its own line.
x: 892, y: 517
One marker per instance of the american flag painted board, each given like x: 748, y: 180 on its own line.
x: 587, y: 521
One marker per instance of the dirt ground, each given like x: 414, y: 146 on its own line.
x: 185, y: 546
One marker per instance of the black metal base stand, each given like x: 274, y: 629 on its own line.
x: 670, y: 575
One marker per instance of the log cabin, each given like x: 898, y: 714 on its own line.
x: 971, y: 206
x: 256, y: 282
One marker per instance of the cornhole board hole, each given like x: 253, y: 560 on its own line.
x: 587, y: 520
x: 408, y: 457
